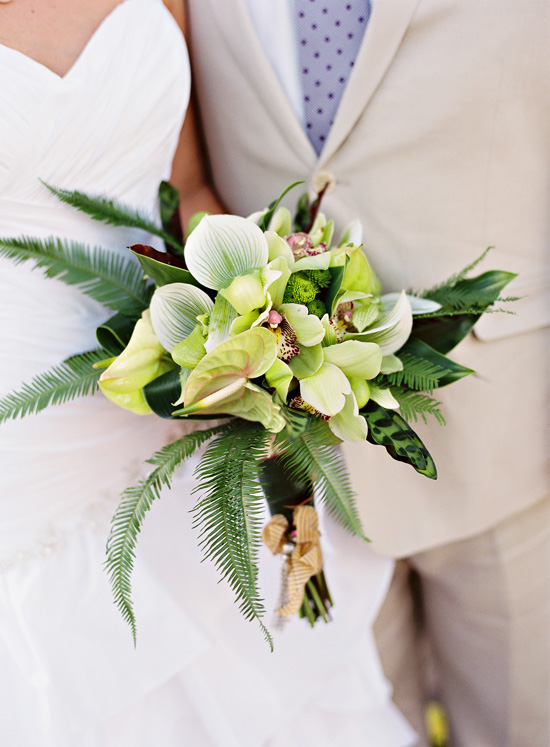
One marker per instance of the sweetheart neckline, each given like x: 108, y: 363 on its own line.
x: 82, y: 54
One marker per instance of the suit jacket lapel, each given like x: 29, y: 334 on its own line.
x: 383, y: 35
x: 233, y: 18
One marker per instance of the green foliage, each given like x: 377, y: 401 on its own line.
x: 419, y: 374
x: 387, y: 428
x: 415, y: 405
x: 103, y: 275
x: 228, y: 512
x: 169, y: 202
x: 274, y: 205
x: 313, y: 456
x: 322, y: 278
x: 73, y: 378
x: 112, y: 212
x: 300, y: 289
x: 317, y: 308
x: 129, y: 516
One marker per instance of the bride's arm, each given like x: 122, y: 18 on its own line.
x: 189, y: 171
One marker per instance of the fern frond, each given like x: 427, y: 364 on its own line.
x: 112, y: 212
x: 448, y: 284
x: 103, y: 275
x: 128, y: 519
x: 417, y: 373
x: 73, y: 378
x: 228, y: 512
x: 415, y: 405
x: 313, y: 455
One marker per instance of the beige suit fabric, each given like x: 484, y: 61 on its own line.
x: 440, y: 147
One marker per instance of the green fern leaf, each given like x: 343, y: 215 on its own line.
x: 415, y: 405
x: 73, y: 378
x: 313, y: 456
x: 129, y: 516
x: 417, y: 373
x: 228, y: 512
x: 105, y: 276
x: 113, y: 213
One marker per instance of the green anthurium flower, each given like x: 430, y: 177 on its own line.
x: 224, y: 247
x: 189, y: 352
x: 326, y: 389
x: 348, y: 424
x: 174, y: 311
x: 143, y: 360
x: 355, y: 358
x: 220, y: 381
x: 392, y: 329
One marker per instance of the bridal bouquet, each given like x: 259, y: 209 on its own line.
x: 281, y: 336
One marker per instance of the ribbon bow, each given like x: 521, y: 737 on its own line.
x: 302, y: 552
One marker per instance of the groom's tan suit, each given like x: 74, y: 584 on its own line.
x: 441, y: 147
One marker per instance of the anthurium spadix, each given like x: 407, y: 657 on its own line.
x: 220, y: 383
x: 143, y: 360
x: 174, y: 311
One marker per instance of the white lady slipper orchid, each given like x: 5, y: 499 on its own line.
x: 174, y: 311
x: 224, y: 247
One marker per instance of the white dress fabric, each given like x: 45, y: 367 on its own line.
x: 201, y: 675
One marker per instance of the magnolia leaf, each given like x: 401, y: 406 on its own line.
x: 114, y: 334
x: 224, y: 247
x: 355, y: 358
x: 161, y: 267
x: 325, y: 390
x: 174, y: 311
x: 162, y: 393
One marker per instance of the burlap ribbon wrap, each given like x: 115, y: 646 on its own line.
x: 302, y: 553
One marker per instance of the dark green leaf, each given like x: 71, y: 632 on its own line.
x: 283, y: 491
x: 274, y: 205
x: 161, y: 267
x: 449, y: 370
x: 387, y: 428
x: 162, y: 393
x: 114, y: 334
x: 169, y: 201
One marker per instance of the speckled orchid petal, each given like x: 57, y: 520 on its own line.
x: 223, y: 247
x: 308, y: 327
x: 174, y: 311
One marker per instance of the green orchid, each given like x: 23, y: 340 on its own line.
x: 143, y: 360
x: 221, y: 382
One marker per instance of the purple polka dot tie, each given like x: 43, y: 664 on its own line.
x: 330, y: 33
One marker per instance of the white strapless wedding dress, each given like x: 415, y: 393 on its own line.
x: 201, y: 675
